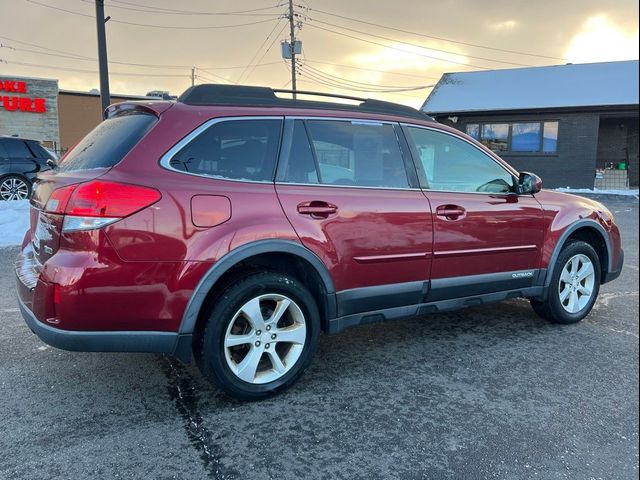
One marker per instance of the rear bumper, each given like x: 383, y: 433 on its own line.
x: 77, y: 341
x: 32, y: 293
x: 615, y: 273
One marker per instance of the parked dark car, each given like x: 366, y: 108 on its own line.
x: 20, y: 162
x: 234, y: 226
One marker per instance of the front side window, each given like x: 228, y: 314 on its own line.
x: 233, y: 149
x: 363, y: 154
x: 453, y: 165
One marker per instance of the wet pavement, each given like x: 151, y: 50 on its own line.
x: 487, y: 392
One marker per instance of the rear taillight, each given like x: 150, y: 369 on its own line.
x: 58, y: 200
x: 94, y: 204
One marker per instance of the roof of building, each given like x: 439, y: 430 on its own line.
x: 560, y: 86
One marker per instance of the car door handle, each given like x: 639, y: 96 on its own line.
x: 317, y: 209
x: 450, y: 212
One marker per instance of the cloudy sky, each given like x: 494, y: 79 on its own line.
x: 358, y: 47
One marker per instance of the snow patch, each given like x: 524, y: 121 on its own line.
x: 14, y: 222
x: 595, y: 191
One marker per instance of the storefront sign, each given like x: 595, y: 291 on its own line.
x: 14, y: 103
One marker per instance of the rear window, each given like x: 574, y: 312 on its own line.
x: 109, y: 142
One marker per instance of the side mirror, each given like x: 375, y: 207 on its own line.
x: 529, y: 183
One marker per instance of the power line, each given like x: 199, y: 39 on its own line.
x: 77, y: 56
x: 273, y: 42
x: 421, y: 46
x: 45, y: 48
x: 396, y: 48
x: 372, y: 70
x: 468, y: 44
x: 73, y: 57
x: 315, y: 81
x: 154, y: 9
x: 235, y: 67
x: 258, y: 51
x: 361, y: 84
x: 204, y: 77
x: 160, y: 11
x: 68, y: 69
x: 151, y: 25
x: 209, y: 27
x: 357, y: 86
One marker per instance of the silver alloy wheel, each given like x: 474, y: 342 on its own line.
x: 576, y: 283
x: 14, y: 189
x: 265, y: 338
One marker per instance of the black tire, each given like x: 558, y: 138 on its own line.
x: 212, y: 359
x: 20, y: 178
x: 551, y: 309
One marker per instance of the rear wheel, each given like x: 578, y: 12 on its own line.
x: 14, y: 187
x: 260, y: 335
x: 574, y: 285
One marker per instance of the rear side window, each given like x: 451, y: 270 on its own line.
x: 362, y: 154
x: 17, y: 149
x: 109, y: 142
x: 38, y: 150
x: 233, y: 149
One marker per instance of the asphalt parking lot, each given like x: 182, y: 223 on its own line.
x: 488, y: 392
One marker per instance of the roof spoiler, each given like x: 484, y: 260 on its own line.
x: 127, y: 108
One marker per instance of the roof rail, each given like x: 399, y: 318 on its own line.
x: 218, y: 94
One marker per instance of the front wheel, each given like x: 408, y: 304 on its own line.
x: 260, y: 335
x: 574, y: 285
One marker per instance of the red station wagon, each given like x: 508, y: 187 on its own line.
x: 233, y: 226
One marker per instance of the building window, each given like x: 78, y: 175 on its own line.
x: 517, y: 137
x: 495, y: 136
x: 473, y: 130
x: 550, y: 138
x: 525, y: 137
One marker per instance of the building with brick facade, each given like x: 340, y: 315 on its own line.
x: 575, y: 125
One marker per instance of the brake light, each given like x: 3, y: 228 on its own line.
x: 110, y: 199
x: 94, y: 204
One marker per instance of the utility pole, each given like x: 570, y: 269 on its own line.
x: 292, y: 43
x: 193, y: 76
x: 105, y: 97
